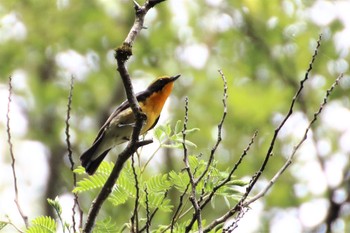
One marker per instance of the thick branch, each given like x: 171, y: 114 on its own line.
x: 108, y: 186
x: 122, y: 55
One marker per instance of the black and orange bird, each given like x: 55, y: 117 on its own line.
x: 119, y: 126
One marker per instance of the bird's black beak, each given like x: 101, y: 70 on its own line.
x: 173, y: 78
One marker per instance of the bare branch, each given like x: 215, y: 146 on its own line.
x: 234, y: 223
x: 9, y: 140
x: 239, y: 206
x: 12, y: 224
x: 212, y: 154
x: 219, y: 138
x: 193, y: 199
x: 135, y: 217
x: 184, y: 137
x: 228, y: 178
x: 122, y: 55
x: 71, y: 161
x: 296, y: 148
x: 140, y: 12
x: 148, y: 221
x: 150, y: 217
x: 174, y: 219
x: 278, y: 129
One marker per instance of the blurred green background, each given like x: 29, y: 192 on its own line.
x: 263, y: 48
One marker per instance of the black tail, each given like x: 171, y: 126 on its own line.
x: 92, y: 165
x: 88, y: 163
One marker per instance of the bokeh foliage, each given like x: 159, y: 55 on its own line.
x: 263, y: 47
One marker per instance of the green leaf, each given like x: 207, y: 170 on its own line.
x: 126, y: 180
x: 166, y: 206
x: 159, y: 134
x: 162, y: 132
x: 106, y: 226
x: 118, y: 196
x: 79, y: 170
x: 158, y: 183
x: 178, y: 127
x: 238, y: 182
x: 92, y: 182
x: 157, y: 200
x: 162, y: 228
x: 95, y: 181
x: 178, y: 143
x: 193, y: 161
x: 105, y: 168
x: 189, y: 131
x: 42, y: 224
x: 56, y: 205
x: 180, y: 180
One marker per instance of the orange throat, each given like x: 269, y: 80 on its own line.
x: 153, y: 105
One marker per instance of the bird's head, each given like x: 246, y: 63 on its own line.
x: 162, y: 82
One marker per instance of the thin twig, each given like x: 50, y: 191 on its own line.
x: 122, y: 54
x: 12, y: 224
x: 184, y: 137
x: 70, y: 157
x: 205, y: 183
x: 135, y: 217
x: 148, y: 222
x: 234, y: 223
x: 193, y: 199
x: 291, y: 108
x: 24, y: 217
x: 296, y: 148
x: 229, y: 176
x: 238, y: 207
x: 174, y: 219
x: 219, y: 138
x: 213, y: 150
x: 140, y: 12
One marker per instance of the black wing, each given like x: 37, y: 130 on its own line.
x: 141, y: 96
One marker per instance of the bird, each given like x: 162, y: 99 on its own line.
x: 119, y: 126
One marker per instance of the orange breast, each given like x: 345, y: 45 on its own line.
x: 153, y: 105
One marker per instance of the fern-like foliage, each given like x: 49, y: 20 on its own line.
x: 56, y: 205
x: 118, y: 196
x: 152, y: 191
x: 158, y: 183
x: 93, y: 182
x: 42, y: 224
x: 169, y: 138
x: 106, y: 226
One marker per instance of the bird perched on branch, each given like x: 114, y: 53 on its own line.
x: 119, y: 126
